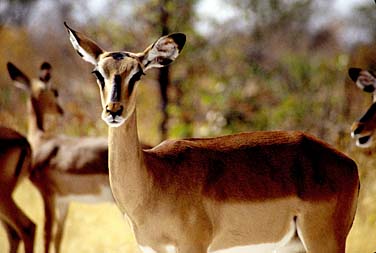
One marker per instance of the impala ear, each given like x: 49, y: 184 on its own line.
x: 45, y: 72
x: 85, y: 47
x: 164, y: 51
x: 364, y: 79
x: 20, y: 79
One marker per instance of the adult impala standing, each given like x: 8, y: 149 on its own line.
x: 236, y: 193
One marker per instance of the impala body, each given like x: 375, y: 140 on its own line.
x: 249, y: 192
x: 65, y: 168
x: 15, y: 164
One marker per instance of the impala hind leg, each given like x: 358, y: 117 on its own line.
x: 54, y: 219
x: 13, y: 238
x: 318, y: 234
x: 18, y: 222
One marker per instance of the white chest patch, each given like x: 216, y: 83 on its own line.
x: 105, y: 195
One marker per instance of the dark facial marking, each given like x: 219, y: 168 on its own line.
x: 116, y: 89
x: 39, y: 112
x: 56, y: 92
x: 369, y: 114
x: 359, y: 129
x: 136, y: 77
x: 45, y: 72
x: 99, y: 77
x: 118, y: 55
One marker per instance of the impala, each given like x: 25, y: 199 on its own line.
x: 65, y: 168
x: 364, y: 129
x: 239, y: 193
x: 15, y: 164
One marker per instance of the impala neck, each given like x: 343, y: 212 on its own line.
x: 35, y: 128
x: 126, y: 165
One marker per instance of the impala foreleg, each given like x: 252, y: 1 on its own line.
x: 61, y: 217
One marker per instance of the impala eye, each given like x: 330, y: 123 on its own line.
x: 99, y: 77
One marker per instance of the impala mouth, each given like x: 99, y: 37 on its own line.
x: 113, y: 121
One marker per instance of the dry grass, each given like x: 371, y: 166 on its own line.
x: 98, y: 228
x: 362, y: 238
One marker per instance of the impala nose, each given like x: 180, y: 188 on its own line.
x: 114, y: 109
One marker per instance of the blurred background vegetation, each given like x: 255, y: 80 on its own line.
x: 247, y: 65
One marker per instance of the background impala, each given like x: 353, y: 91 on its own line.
x: 65, y: 168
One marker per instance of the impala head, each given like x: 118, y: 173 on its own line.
x: 363, y: 129
x: 44, y: 98
x: 118, y: 72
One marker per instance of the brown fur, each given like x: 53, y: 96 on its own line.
x: 209, y: 165
x: 15, y: 164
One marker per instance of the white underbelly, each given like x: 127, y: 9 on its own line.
x: 294, y: 247
x: 290, y: 243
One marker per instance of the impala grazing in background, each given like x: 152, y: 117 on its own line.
x: 238, y: 193
x: 65, y: 168
x: 15, y: 164
x: 363, y: 129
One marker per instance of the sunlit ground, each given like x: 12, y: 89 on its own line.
x: 97, y: 228
x: 362, y: 238
x: 101, y: 228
